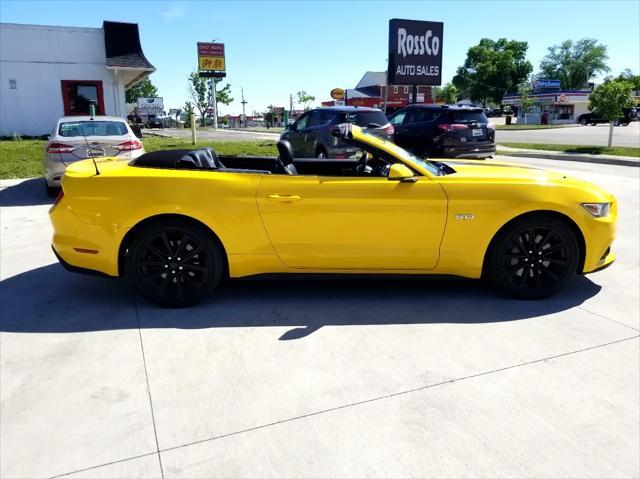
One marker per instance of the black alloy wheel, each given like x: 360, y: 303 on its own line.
x: 174, y: 264
x: 321, y: 153
x: 583, y: 122
x: 534, y: 258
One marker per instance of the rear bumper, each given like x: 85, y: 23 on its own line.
x: 477, y: 151
x: 81, y: 246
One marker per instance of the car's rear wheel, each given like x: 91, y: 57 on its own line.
x: 583, y: 122
x: 321, y: 153
x: 52, y: 191
x: 174, y: 263
x: 533, y: 257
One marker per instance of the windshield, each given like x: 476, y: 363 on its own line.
x: 409, y: 158
x: 92, y: 128
x: 364, y: 118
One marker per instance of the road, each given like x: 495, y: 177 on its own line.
x: 293, y: 378
x: 211, y: 134
x: 582, y: 135
x: 587, y: 135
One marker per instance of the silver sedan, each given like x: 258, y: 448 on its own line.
x: 79, y: 137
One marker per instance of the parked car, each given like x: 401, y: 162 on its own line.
x: 310, y: 135
x: 176, y: 222
x: 444, y: 131
x: 79, y: 137
x: 593, y: 118
x: 155, y: 122
x: 492, y: 112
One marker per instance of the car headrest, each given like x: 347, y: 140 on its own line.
x: 342, y: 130
x: 203, y: 158
x: 285, y: 152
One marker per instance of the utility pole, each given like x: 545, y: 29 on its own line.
x: 243, y: 104
x: 215, y: 100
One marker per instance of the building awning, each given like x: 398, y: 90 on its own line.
x: 124, y: 52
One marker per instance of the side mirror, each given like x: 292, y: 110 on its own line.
x: 402, y: 173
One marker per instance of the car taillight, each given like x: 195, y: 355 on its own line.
x: 129, y: 145
x: 389, y: 130
x: 451, y: 127
x: 59, y: 148
x: 59, y: 197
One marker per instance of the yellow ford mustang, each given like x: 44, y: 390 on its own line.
x: 176, y: 222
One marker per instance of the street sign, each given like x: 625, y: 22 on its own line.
x: 415, y: 52
x: 211, y: 57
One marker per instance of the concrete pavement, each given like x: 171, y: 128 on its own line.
x: 340, y: 378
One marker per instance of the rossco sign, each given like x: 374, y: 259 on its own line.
x: 415, y: 52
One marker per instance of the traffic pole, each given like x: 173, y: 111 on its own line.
x: 193, y: 129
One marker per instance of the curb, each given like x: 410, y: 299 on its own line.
x: 544, y: 155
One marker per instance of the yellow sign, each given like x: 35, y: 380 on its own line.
x: 337, y: 94
x: 211, y: 64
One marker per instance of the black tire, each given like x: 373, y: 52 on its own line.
x: 593, y: 123
x: 583, y: 121
x: 52, y: 191
x: 321, y: 153
x: 533, y: 257
x: 174, y: 263
x: 616, y: 123
x: 625, y: 123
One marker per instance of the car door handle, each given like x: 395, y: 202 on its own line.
x: 285, y: 198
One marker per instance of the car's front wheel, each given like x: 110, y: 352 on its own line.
x: 533, y: 257
x: 583, y: 122
x: 174, y: 263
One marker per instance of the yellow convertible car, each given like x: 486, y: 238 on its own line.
x: 176, y: 222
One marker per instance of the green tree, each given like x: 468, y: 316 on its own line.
x: 305, y: 99
x: 142, y: 89
x: 526, y: 102
x: 201, y: 91
x: 492, y: 69
x: 610, y: 100
x: 223, y: 95
x: 447, y: 93
x: 628, y: 75
x: 574, y: 64
x: 188, y: 108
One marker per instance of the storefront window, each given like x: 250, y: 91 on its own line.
x: 78, y: 96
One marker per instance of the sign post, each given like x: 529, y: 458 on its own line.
x: 415, y: 54
x: 211, y: 64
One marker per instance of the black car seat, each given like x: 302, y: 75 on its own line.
x: 204, y: 158
x: 284, y: 163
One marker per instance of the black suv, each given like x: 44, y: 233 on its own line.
x: 310, y: 135
x: 444, y: 131
x: 593, y: 118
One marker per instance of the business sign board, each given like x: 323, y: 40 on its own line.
x: 150, y: 106
x: 415, y: 52
x: 211, y: 60
x: 544, y: 83
x: 337, y: 94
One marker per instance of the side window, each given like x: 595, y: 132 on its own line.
x: 398, y: 118
x: 303, y: 121
x: 314, y: 118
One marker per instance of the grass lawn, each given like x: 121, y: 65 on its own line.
x: 528, y: 127
x: 23, y: 158
x: 592, y: 150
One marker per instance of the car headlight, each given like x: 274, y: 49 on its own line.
x: 598, y: 210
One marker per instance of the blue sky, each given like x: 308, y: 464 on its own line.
x: 277, y: 48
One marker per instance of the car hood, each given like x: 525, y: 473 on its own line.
x: 481, y: 171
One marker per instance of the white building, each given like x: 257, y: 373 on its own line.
x: 553, y: 108
x: 50, y: 71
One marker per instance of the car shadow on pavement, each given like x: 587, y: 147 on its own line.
x: 26, y: 193
x: 51, y: 300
